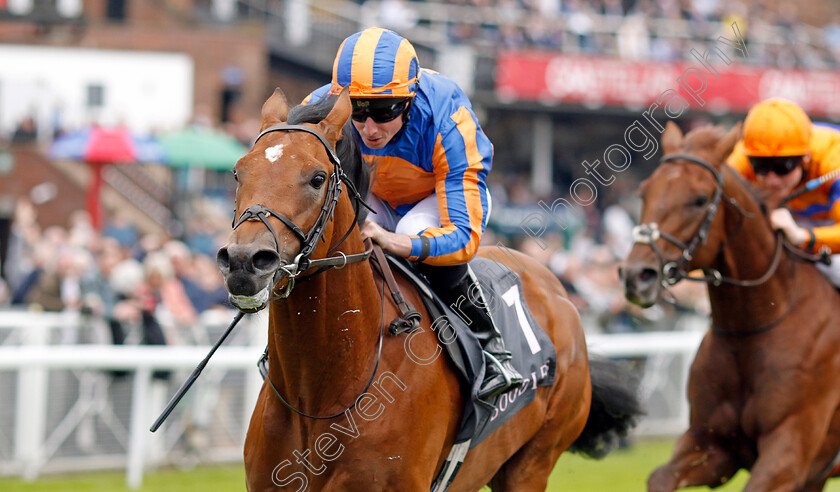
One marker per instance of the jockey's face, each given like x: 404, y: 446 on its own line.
x: 778, y: 187
x: 377, y: 135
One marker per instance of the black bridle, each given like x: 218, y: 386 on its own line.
x: 672, y: 272
x: 309, y: 240
x: 302, y: 263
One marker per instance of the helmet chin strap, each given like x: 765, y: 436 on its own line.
x: 407, y: 112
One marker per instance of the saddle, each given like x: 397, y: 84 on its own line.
x: 534, y: 355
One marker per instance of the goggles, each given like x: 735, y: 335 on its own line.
x: 779, y: 165
x: 378, y: 111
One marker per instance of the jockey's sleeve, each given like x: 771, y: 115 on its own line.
x: 828, y: 236
x: 462, y: 158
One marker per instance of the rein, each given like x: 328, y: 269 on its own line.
x: 761, y: 329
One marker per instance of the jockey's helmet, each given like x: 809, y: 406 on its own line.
x: 376, y: 63
x: 776, y: 128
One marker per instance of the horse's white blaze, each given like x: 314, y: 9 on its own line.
x: 274, y: 153
x: 250, y: 302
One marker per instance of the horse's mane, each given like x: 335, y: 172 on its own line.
x: 707, y: 137
x: 703, y: 138
x: 753, y: 191
x: 346, y: 149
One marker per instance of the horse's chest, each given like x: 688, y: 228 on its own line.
x: 343, y: 454
x: 310, y: 470
x: 768, y: 398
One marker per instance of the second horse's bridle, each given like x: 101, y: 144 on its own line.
x: 673, y: 271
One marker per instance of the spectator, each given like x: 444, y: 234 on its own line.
x: 171, y: 304
x: 26, y: 131
x: 139, y: 305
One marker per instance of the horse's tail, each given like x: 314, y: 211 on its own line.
x: 614, y: 411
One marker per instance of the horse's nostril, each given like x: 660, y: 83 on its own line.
x: 266, y: 260
x: 223, y: 260
x: 647, y: 275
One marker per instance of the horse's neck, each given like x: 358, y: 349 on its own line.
x: 748, y: 255
x: 323, y: 338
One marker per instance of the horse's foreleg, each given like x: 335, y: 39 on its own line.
x: 695, y: 462
x: 785, y: 456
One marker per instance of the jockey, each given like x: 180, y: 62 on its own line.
x: 429, y: 159
x: 780, y: 151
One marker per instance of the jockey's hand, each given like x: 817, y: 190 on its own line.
x: 782, y: 220
x: 399, y: 244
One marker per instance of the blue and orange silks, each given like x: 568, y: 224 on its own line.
x: 442, y: 150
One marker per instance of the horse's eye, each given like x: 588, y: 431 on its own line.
x: 318, y: 180
x: 235, y: 177
x: 700, y: 201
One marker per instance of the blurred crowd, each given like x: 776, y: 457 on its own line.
x: 586, y: 255
x: 148, y: 288
x: 152, y: 289
x: 662, y: 30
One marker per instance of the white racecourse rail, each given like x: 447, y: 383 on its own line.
x: 74, y: 410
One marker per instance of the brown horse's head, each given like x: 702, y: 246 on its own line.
x: 682, y: 219
x: 283, y: 184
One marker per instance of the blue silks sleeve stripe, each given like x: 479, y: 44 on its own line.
x: 818, y: 208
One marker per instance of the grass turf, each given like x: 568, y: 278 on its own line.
x: 622, y: 471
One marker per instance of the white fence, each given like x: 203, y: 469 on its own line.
x: 71, y: 406
x: 90, y: 406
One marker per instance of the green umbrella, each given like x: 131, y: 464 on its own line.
x: 202, y: 148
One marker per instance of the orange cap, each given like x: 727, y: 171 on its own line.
x: 776, y: 127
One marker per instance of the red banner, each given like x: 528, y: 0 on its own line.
x: 712, y: 86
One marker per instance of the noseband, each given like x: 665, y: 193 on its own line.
x: 309, y: 240
x: 671, y: 272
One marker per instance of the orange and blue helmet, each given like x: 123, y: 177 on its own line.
x: 376, y: 63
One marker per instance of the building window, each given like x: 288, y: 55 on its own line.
x: 95, y: 96
x: 115, y: 10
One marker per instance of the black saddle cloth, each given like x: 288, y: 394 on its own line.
x: 534, y: 355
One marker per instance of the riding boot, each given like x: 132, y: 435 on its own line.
x: 459, y: 293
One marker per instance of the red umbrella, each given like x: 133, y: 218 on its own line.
x: 100, y: 146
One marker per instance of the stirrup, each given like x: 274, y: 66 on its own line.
x: 507, y: 379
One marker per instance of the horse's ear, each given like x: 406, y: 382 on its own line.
x: 275, y: 110
x: 331, y: 126
x: 672, y: 138
x: 725, y: 146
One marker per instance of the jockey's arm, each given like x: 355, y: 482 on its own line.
x: 827, y: 236
x: 781, y: 219
x: 817, y: 238
x: 399, y: 244
x: 462, y: 158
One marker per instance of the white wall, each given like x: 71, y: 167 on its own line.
x: 145, y: 90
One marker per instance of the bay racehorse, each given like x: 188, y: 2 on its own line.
x: 344, y: 408
x: 763, y: 386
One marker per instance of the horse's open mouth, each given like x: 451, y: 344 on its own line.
x: 250, y: 304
